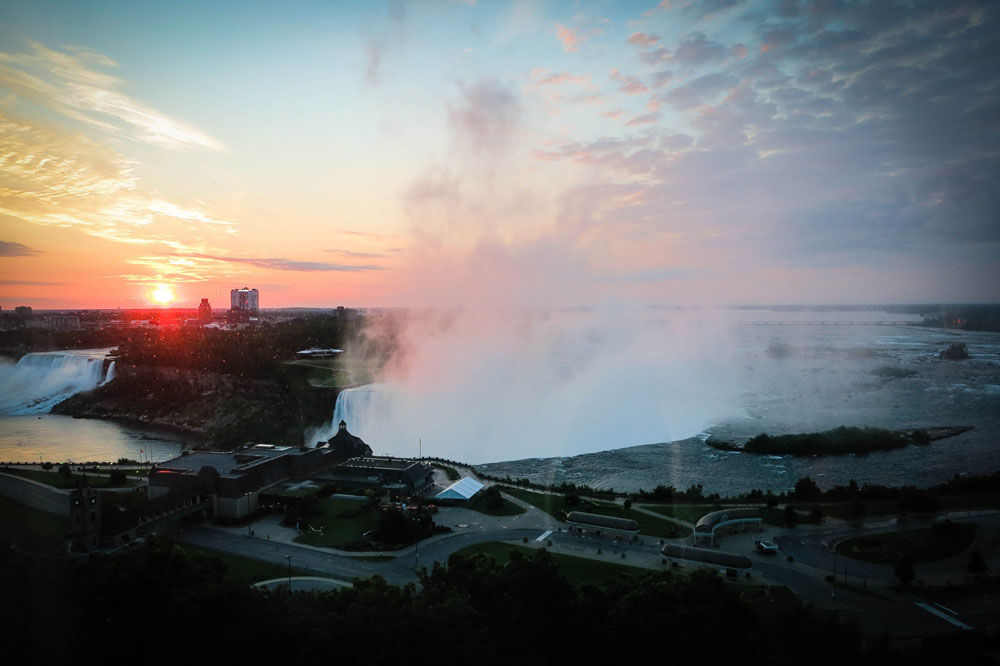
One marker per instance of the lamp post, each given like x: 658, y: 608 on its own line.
x: 249, y: 521
x: 834, y: 600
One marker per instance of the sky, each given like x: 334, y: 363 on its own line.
x: 499, y: 153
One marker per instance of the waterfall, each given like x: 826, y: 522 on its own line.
x: 110, y: 374
x: 356, y: 407
x: 42, y: 379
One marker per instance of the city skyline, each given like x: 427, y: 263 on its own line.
x: 499, y: 153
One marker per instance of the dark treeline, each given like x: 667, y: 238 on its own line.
x: 909, y: 497
x: 254, y: 351
x: 21, y: 340
x: 166, y: 603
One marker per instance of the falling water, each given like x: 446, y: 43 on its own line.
x: 43, y: 379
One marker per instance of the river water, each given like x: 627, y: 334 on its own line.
x: 808, y: 378
x: 634, y: 417
x: 30, y: 434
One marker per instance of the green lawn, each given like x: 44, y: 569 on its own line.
x: 685, y: 512
x: 556, y: 506
x: 507, y: 508
x: 577, y: 570
x: 57, y: 480
x: 245, y: 570
x: 33, y: 530
x: 339, y: 529
x: 925, y: 545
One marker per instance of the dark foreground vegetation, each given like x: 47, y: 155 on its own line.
x: 185, y: 605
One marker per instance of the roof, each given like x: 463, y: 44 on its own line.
x: 462, y: 489
x: 707, y: 556
x: 606, y: 522
x: 710, y: 521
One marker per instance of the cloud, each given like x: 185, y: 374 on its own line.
x: 569, y: 37
x: 52, y: 177
x: 72, y: 84
x: 696, y: 49
x: 543, y: 77
x: 646, y: 119
x: 630, y: 84
x: 35, y: 283
x: 484, y: 116
x: 695, y: 92
x: 281, y: 264
x: 12, y: 249
x: 358, y: 255
x: 642, y: 39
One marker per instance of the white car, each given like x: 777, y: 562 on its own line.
x: 767, y: 547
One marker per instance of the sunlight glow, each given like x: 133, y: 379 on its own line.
x: 163, y: 294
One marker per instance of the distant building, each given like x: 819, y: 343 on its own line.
x: 205, y: 311
x: 244, y: 304
x: 23, y: 311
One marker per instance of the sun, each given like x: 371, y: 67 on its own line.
x: 163, y: 294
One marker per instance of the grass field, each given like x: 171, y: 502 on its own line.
x: 334, y: 372
x: 338, y: 528
x: 30, y: 529
x: 57, y: 480
x: 685, y: 512
x: 927, y: 545
x: 245, y: 570
x: 556, y: 506
x: 507, y: 508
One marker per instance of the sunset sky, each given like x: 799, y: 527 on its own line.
x: 433, y: 153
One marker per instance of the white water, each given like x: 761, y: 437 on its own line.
x: 41, y: 380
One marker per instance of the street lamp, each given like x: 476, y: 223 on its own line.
x: 834, y: 573
x: 249, y: 521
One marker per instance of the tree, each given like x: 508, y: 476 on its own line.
x: 816, y: 515
x: 117, y: 477
x: 789, y: 516
x: 904, y: 571
x: 977, y: 565
x: 65, y: 471
x: 806, y: 490
x: 493, y: 499
x: 628, y: 504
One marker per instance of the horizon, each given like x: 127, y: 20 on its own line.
x: 500, y: 154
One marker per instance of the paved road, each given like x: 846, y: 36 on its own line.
x: 879, y: 610
x: 399, y: 571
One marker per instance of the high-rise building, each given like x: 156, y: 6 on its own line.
x: 205, y: 311
x: 243, y: 304
x: 244, y: 300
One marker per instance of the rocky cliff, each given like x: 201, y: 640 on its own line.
x: 222, y: 410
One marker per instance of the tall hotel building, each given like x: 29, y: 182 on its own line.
x: 243, y: 304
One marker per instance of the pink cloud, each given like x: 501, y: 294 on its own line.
x: 546, y: 79
x: 642, y: 39
x: 569, y: 37
x: 646, y: 119
x: 739, y: 50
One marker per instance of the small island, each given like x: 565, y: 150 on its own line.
x: 842, y: 440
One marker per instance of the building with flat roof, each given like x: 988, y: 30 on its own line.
x: 394, y: 475
x: 239, y: 476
